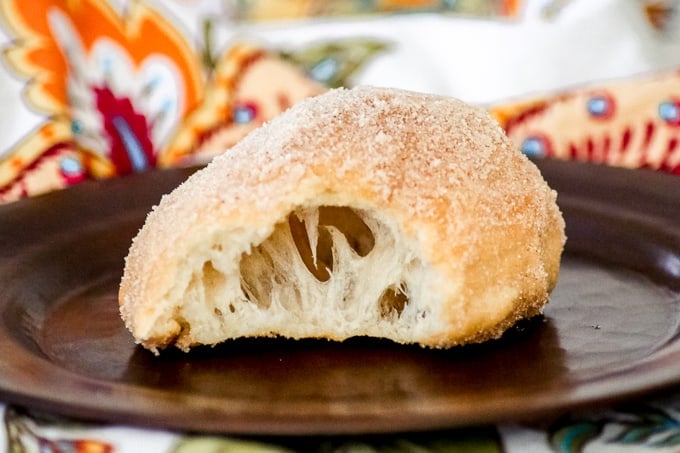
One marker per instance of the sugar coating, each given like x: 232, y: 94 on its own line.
x: 412, y: 147
x: 400, y: 143
x: 434, y: 162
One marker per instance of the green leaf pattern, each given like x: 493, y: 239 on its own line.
x: 640, y: 426
x: 334, y: 64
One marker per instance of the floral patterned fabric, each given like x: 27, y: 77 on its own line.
x: 96, y: 89
x: 636, y: 427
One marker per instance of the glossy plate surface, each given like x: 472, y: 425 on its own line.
x: 611, y: 331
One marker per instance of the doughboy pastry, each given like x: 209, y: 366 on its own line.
x: 369, y: 211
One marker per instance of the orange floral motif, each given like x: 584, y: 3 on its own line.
x: 111, y: 85
x: 122, y: 91
x: 265, y: 10
x: 142, y: 31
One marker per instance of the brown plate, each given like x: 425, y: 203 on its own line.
x: 610, y: 332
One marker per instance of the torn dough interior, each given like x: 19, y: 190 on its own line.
x: 323, y: 270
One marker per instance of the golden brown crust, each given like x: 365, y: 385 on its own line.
x: 474, y: 208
